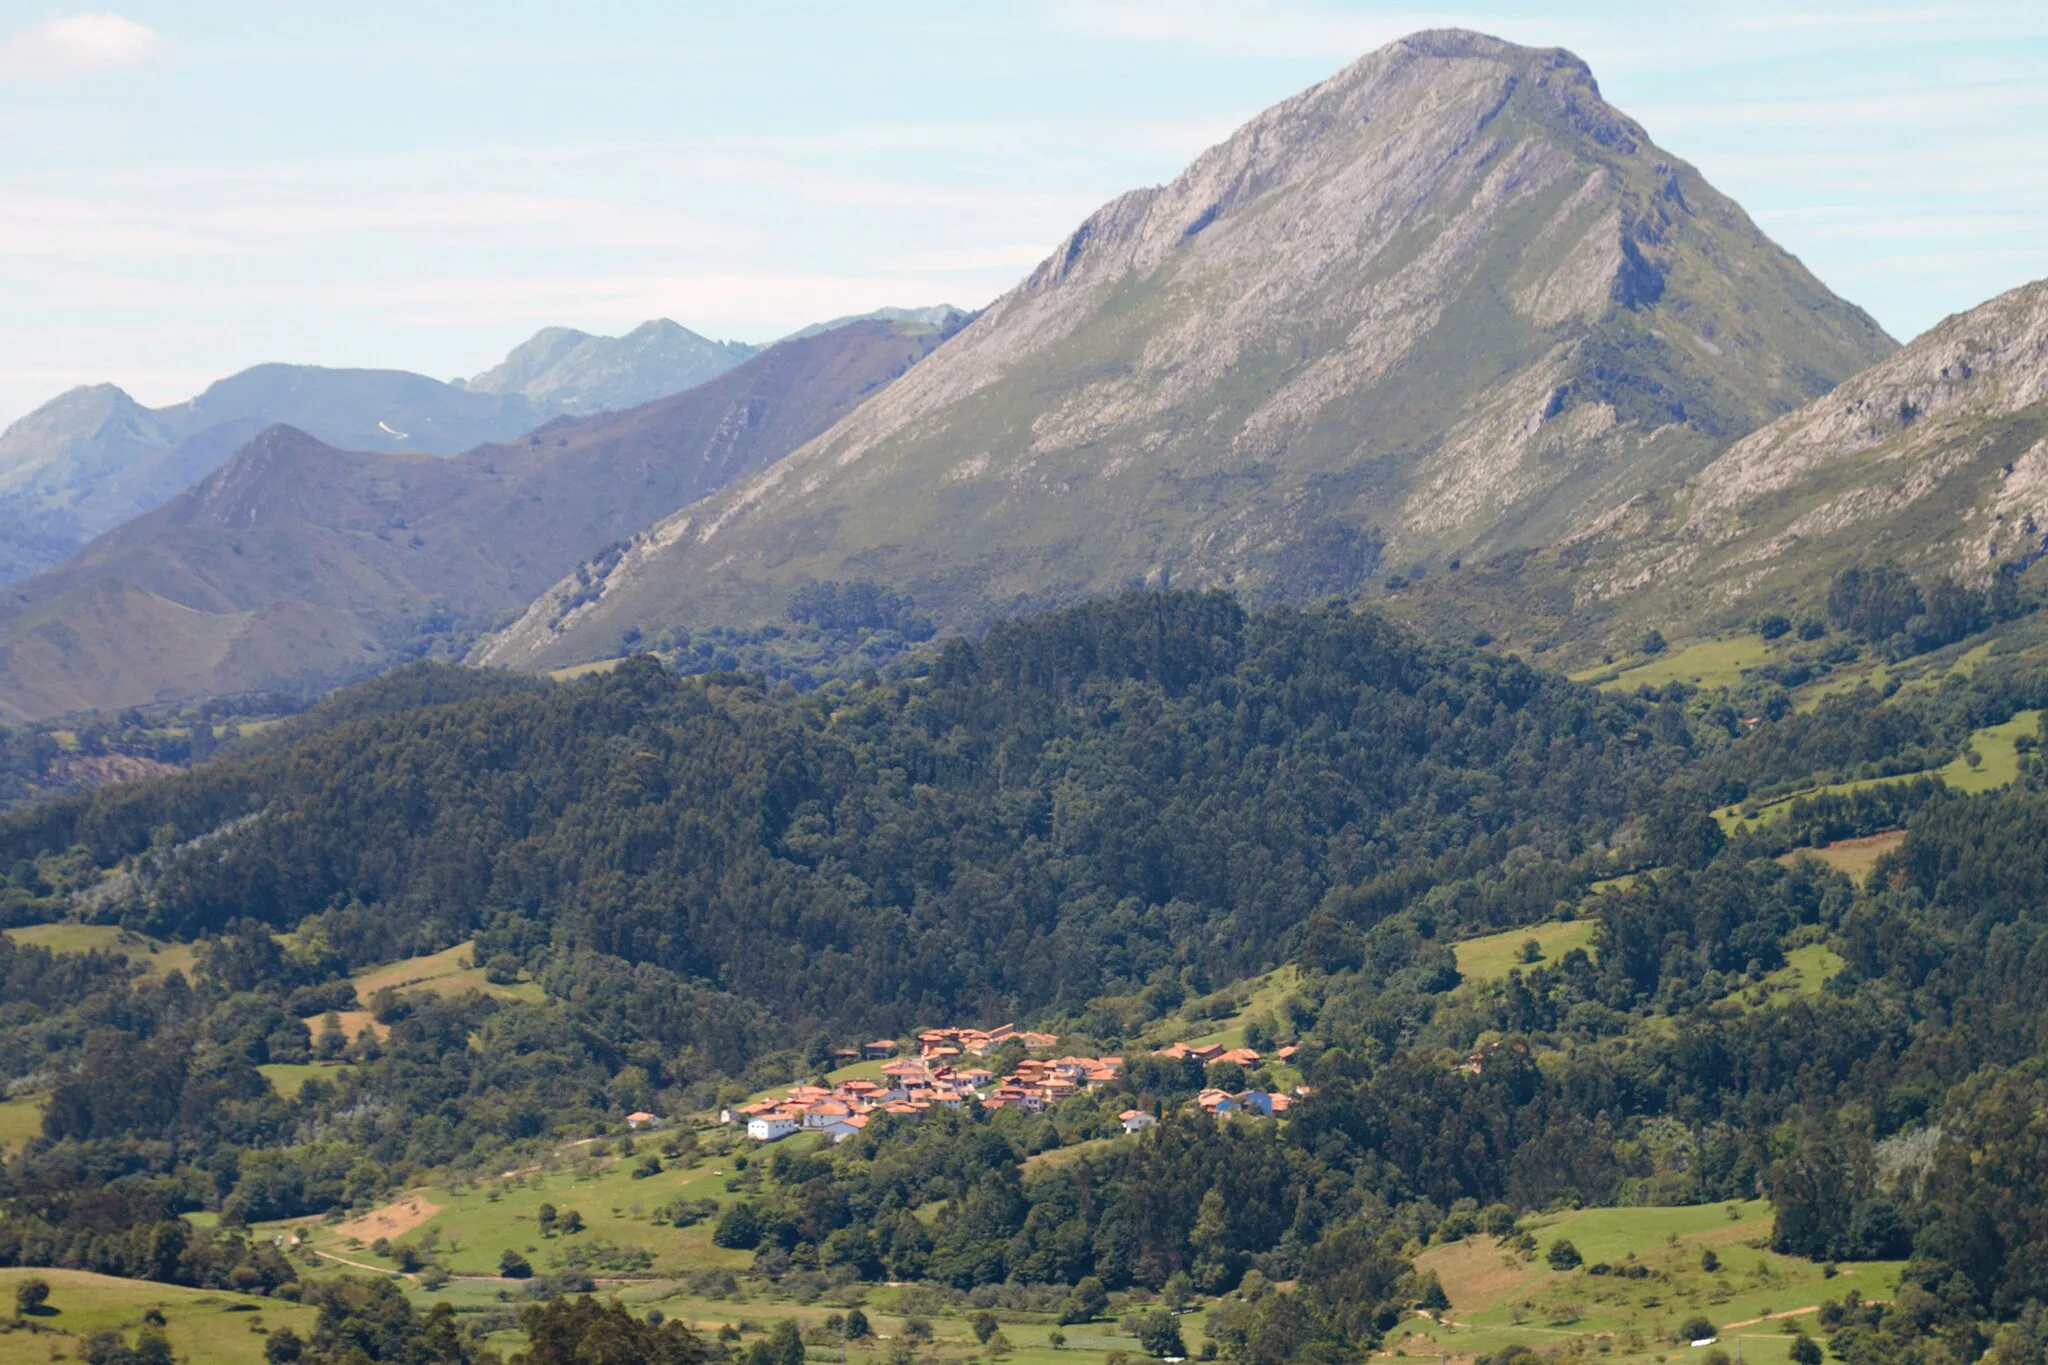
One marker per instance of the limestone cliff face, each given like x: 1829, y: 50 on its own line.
x: 1936, y: 457
x: 1447, y: 302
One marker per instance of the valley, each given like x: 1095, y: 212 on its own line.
x: 1419, y: 745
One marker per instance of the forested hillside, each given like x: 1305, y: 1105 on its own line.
x: 689, y: 889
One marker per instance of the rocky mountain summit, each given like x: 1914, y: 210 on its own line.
x: 1447, y: 304
x: 1936, y: 458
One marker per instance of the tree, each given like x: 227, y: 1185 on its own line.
x: 331, y: 1042
x: 30, y: 1296
x: 583, y: 1331
x: 856, y: 1327
x: 984, y: 1325
x: 1697, y: 1328
x: 572, y: 1222
x: 1088, y: 1302
x: 1433, y: 1296
x: 739, y: 1228
x: 784, y: 1346
x: 1806, y: 1351
x: 513, y: 1266
x: 282, y: 1346
x: 1564, y: 1256
x: 1652, y: 642
x: 1159, y: 1334
x: 546, y: 1216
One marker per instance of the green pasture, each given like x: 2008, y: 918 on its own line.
x: 1491, y: 958
x: 1499, y: 1297
x: 214, y: 1326
x: 154, y: 956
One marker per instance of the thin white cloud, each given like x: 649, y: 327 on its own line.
x: 78, y: 45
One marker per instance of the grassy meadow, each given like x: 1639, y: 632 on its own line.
x: 1499, y: 1297
x: 210, y: 1325
x: 1491, y: 958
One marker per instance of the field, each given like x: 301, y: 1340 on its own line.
x: 1492, y: 957
x: 1852, y: 857
x: 1996, y: 748
x: 20, y: 1120
x: 1709, y: 663
x: 468, y: 1229
x: 153, y: 955
x: 203, y: 1325
x: 287, y: 1077
x: 1498, y: 1297
x: 447, y: 972
x: 1259, y: 995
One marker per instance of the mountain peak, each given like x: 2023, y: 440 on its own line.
x: 1446, y: 303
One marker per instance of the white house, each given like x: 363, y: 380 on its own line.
x: 770, y: 1128
x: 1137, y: 1120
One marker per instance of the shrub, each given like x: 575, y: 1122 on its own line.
x: 513, y: 1266
x: 1696, y: 1329
x: 30, y: 1296
x: 1564, y: 1256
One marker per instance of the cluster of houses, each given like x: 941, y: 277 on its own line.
x: 1035, y: 1084
x: 914, y: 1085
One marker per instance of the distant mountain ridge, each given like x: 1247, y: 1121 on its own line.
x: 297, y: 565
x: 562, y: 370
x: 1448, y: 304
x: 943, y: 316
x: 93, y: 457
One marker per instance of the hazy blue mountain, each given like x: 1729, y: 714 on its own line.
x: 564, y: 370
x: 943, y: 316
x: 297, y: 564
x: 92, y: 458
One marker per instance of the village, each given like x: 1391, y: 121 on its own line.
x: 910, y: 1086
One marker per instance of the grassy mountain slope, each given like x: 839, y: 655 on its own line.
x: 1447, y: 303
x: 298, y: 564
x: 1936, y: 458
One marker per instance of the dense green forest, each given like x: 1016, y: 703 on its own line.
x: 1085, y: 819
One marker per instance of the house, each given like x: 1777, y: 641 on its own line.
x: 1243, y: 1056
x: 1256, y: 1102
x: 642, y: 1119
x: 826, y: 1112
x: 1217, y: 1102
x: 1287, y: 1054
x: 1038, y: 1041
x: 880, y: 1049
x: 1212, y: 1052
x: 770, y: 1128
x: 839, y: 1130
x: 1136, y: 1120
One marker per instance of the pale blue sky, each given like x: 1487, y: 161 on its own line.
x: 191, y: 186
